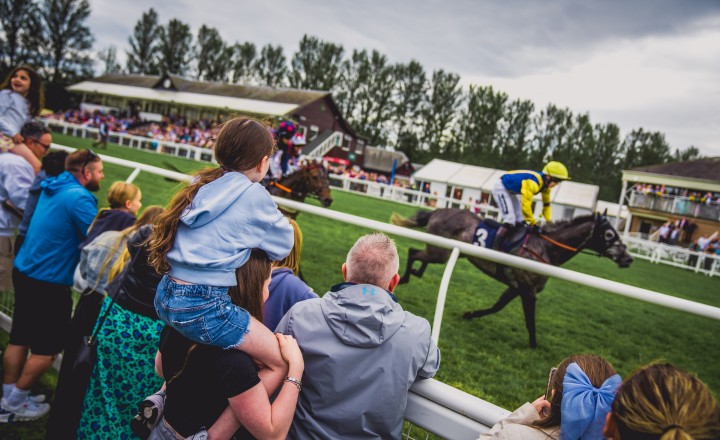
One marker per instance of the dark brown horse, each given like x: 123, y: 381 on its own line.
x: 558, y: 243
x: 310, y: 180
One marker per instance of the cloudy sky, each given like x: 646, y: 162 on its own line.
x: 653, y: 64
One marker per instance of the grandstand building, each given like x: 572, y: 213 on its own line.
x: 151, y: 97
x: 670, y: 192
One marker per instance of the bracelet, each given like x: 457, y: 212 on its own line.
x: 297, y: 382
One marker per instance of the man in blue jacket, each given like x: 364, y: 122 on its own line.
x: 42, y: 275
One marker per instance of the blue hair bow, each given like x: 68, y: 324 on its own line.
x: 585, y: 407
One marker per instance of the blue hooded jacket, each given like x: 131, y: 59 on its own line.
x: 285, y: 290
x: 61, y: 220
x: 228, y: 218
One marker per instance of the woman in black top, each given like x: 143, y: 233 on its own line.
x: 203, y: 380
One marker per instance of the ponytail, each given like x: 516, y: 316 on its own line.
x: 163, y: 236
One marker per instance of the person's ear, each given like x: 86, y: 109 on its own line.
x: 394, y: 282
x: 610, y: 430
x: 344, y: 271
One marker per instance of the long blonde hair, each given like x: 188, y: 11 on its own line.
x: 661, y: 401
x: 148, y: 217
x: 292, y: 261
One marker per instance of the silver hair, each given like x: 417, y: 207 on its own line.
x: 33, y: 130
x: 373, y: 259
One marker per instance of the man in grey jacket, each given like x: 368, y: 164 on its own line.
x: 362, y: 350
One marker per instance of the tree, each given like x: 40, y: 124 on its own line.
x: 373, y: 98
x: 108, y: 57
x: 354, y: 74
x: 440, y: 110
x: 143, y: 54
x: 408, y: 95
x: 480, y: 125
x: 175, y: 47
x: 645, y: 148
x: 514, y: 142
x: 316, y: 65
x: 552, y: 128
x: 243, y: 66
x: 271, y: 66
x: 18, y: 25
x: 214, y: 57
x: 607, y: 161
x: 66, y: 40
x: 690, y: 153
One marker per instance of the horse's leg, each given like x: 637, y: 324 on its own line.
x: 528, y: 302
x: 408, y: 269
x: 505, y: 298
x: 419, y: 272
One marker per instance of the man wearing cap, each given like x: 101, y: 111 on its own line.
x: 42, y: 276
x: 16, y: 177
x: 525, y: 184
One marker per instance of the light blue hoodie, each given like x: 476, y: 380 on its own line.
x: 61, y: 220
x: 228, y: 218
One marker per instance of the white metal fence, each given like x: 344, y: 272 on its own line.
x: 661, y: 253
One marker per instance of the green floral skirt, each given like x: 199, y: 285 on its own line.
x: 124, y: 373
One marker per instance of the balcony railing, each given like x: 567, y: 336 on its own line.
x: 676, y: 205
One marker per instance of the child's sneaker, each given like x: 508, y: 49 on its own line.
x: 6, y: 416
x: 37, y: 398
x: 26, y: 411
x: 149, y: 413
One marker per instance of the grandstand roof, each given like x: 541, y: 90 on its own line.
x: 173, y: 88
x: 701, y: 174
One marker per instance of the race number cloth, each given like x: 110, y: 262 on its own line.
x: 485, y: 233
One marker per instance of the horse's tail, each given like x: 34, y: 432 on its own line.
x: 420, y: 219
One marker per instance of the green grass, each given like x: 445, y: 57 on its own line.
x: 490, y: 357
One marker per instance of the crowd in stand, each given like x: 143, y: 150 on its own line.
x: 200, y: 133
x: 705, y: 197
x: 178, y: 306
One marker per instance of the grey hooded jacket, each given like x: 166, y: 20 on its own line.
x: 362, y: 353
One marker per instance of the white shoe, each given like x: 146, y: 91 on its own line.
x: 37, y: 398
x: 28, y: 410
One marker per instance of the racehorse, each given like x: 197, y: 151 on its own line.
x: 310, y: 180
x: 556, y: 244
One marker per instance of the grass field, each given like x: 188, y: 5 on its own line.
x: 490, y: 357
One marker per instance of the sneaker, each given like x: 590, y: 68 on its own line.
x: 28, y: 410
x: 149, y: 413
x: 38, y: 398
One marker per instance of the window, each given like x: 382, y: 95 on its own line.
x: 346, y: 142
x: 314, y: 131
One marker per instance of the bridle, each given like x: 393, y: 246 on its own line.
x: 609, y: 238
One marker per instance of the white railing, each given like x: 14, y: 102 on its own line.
x: 437, y: 407
x: 326, y: 145
x: 661, y: 253
x: 407, y: 196
x: 139, y: 142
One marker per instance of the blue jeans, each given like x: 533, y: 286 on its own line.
x: 203, y: 314
x: 163, y: 431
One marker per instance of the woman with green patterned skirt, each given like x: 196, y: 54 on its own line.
x: 127, y: 342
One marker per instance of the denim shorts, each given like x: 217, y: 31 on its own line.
x: 203, y: 314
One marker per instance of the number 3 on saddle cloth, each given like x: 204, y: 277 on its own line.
x: 486, y: 231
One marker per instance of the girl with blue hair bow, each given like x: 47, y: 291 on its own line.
x: 582, y: 392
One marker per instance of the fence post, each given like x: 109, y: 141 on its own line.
x: 442, y: 294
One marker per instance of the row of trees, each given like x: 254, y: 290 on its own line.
x: 424, y: 114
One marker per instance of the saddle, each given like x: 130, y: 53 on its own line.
x: 486, y: 231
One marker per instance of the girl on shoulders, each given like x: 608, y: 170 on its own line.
x: 21, y: 98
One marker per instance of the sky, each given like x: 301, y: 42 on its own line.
x: 651, y: 64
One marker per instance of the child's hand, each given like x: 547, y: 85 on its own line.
x: 18, y: 139
x: 542, y: 406
x: 290, y: 351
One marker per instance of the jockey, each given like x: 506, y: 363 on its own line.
x: 526, y: 184
x: 295, y: 148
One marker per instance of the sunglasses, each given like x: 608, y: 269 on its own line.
x: 91, y: 157
x: 45, y: 146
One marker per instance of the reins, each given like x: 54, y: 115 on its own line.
x: 280, y: 186
x: 558, y: 244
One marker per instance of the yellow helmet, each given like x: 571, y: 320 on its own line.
x: 556, y: 170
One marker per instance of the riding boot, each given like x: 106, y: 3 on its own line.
x: 500, y: 235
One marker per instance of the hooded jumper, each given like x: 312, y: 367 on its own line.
x: 362, y: 354
x: 61, y: 220
x: 228, y: 218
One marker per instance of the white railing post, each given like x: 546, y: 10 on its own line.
x: 132, y: 176
x: 442, y: 294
